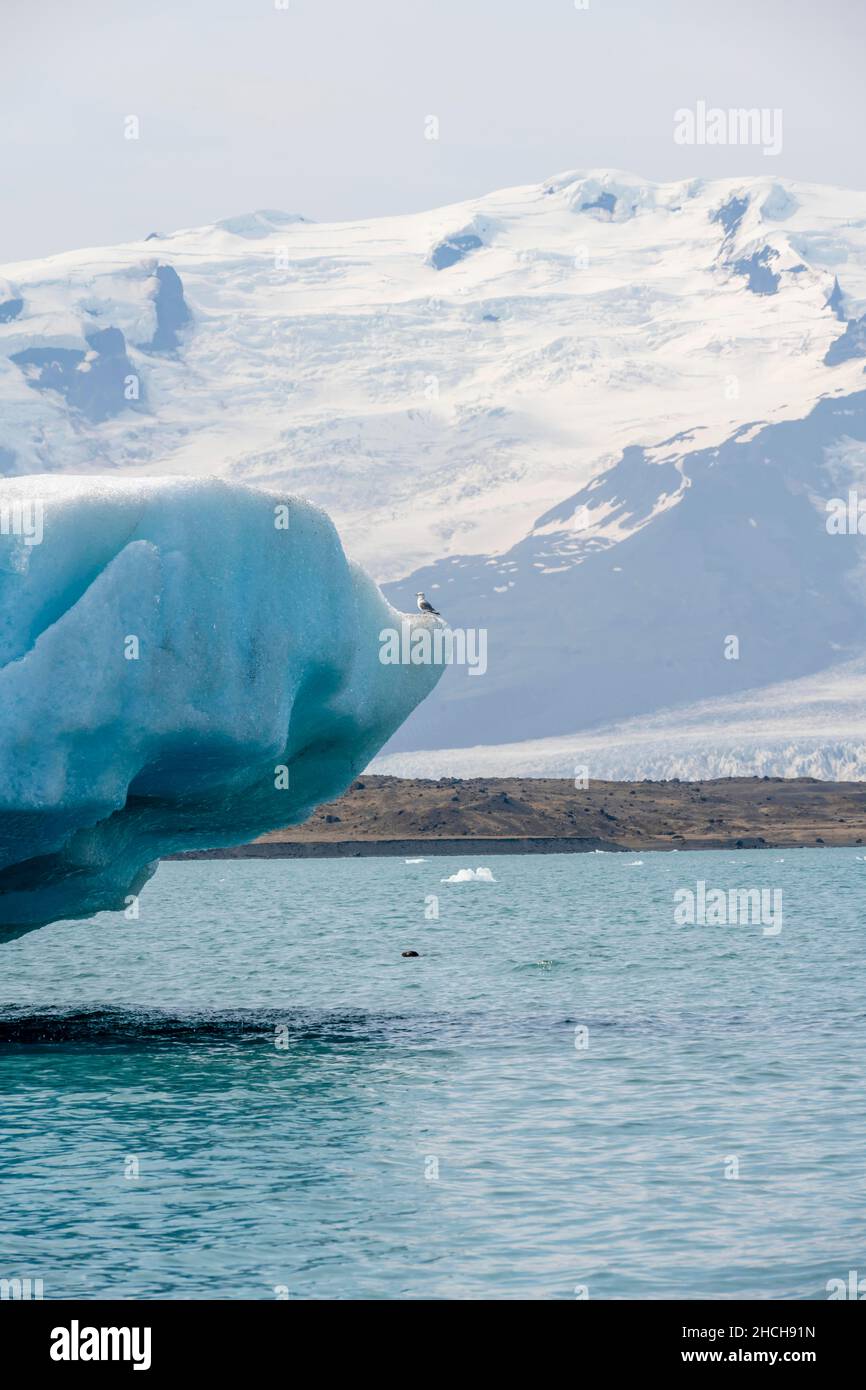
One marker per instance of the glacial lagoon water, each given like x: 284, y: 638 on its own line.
x: 248, y: 1092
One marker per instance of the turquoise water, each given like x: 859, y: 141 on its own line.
x: 310, y: 1114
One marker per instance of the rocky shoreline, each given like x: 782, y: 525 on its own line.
x: 523, y: 815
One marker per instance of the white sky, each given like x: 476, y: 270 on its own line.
x: 320, y: 108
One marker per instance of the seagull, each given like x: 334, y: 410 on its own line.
x: 425, y: 607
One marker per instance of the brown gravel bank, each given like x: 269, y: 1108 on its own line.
x: 395, y: 815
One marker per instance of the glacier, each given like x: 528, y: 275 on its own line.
x: 596, y: 416
x: 184, y: 663
x: 362, y: 363
x: 810, y: 727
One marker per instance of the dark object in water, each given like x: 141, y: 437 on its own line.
x: 408, y: 953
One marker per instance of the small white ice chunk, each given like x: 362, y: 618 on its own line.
x: 471, y: 876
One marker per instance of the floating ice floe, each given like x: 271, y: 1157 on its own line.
x: 471, y: 876
x: 184, y: 664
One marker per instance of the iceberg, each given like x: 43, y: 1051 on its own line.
x: 470, y: 876
x: 184, y: 664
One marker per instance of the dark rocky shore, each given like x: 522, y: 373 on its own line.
x: 527, y: 815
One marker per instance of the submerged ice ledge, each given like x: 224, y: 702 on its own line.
x: 184, y: 664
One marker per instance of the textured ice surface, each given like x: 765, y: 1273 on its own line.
x: 167, y: 648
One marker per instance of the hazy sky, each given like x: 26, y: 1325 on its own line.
x: 320, y: 108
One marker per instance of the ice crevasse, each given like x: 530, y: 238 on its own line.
x: 184, y: 664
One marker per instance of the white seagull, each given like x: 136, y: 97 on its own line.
x: 425, y: 607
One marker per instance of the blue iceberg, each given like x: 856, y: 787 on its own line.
x: 184, y: 664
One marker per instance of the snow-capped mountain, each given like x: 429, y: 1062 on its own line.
x: 598, y: 417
